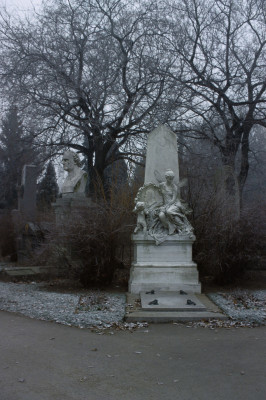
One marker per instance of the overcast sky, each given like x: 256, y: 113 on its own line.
x: 21, y: 5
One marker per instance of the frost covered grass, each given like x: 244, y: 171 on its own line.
x: 104, y: 311
x: 93, y: 309
x: 243, y: 306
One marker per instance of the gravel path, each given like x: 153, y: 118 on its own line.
x: 101, y: 310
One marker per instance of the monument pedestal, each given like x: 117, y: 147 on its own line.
x: 71, y: 206
x: 167, y: 267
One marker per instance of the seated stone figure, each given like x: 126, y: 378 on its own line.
x: 76, y: 179
x: 172, y: 213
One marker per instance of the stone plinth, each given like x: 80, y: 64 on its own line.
x: 71, y: 206
x: 167, y: 267
x: 170, y: 301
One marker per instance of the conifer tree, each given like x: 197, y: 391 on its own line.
x: 16, y: 150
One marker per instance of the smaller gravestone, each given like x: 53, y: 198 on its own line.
x: 27, y: 232
x: 27, y: 193
x: 26, y: 196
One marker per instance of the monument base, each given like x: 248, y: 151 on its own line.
x: 71, y: 206
x: 165, y: 267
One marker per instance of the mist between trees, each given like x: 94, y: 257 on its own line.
x: 97, y: 75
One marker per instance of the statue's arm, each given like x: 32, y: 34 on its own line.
x: 174, y: 198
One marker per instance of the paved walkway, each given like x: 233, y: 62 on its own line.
x: 47, y: 361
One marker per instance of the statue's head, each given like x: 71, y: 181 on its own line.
x: 140, y: 206
x: 70, y: 160
x: 169, y: 175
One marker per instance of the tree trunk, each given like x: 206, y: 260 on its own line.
x: 244, y: 168
x: 229, y: 193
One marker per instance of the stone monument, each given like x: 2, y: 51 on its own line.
x: 161, y: 155
x: 73, y: 199
x: 163, y: 236
x: 27, y: 193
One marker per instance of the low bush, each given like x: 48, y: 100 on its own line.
x: 7, y: 237
x: 94, y: 243
x: 225, y: 249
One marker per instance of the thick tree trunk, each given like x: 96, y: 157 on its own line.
x: 229, y: 193
x: 244, y: 167
x: 96, y: 167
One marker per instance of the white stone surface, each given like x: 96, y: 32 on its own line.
x: 161, y: 155
x: 76, y: 179
x: 174, y: 250
x: 164, y: 278
x: 168, y: 266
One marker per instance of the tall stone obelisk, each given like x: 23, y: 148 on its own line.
x: 162, y: 154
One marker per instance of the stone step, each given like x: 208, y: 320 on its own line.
x: 20, y: 271
x: 170, y: 301
x: 135, y: 312
x: 172, y: 316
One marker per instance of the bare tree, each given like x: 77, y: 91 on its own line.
x: 88, y: 71
x: 218, y: 52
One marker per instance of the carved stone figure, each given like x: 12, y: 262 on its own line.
x: 162, y: 210
x: 76, y: 179
x: 141, y: 218
x: 172, y: 213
